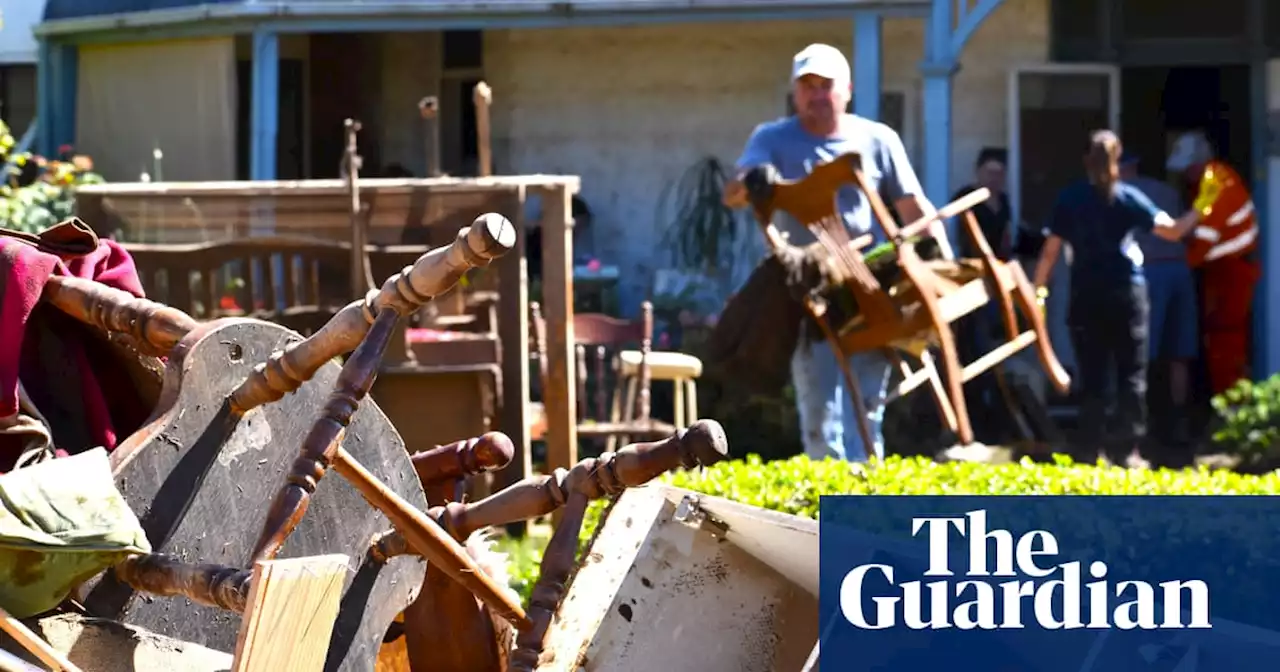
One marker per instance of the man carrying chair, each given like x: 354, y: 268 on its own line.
x: 820, y: 130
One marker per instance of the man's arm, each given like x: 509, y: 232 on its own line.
x: 755, y: 153
x: 1151, y: 218
x: 1172, y: 229
x: 903, y: 187
x: 1048, y: 259
x: 1058, y: 228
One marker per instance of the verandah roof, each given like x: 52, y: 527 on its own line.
x: 68, y: 17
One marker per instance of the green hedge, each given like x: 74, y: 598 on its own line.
x: 1249, y: 417
x: 794, y: 486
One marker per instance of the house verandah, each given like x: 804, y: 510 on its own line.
x: 122, y: 84
x: 626, y: 98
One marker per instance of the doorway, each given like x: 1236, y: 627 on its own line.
x: 1158, y: 103
x: 1052, y: 109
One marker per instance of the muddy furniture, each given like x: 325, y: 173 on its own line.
x: 238, y: 395
x: 916, y: 311
x: 463, y: 636
x: 400, y: 211
x: 682, y: 581
x: 301, y: 283
x: 284, y: 610
x: 605, y: 344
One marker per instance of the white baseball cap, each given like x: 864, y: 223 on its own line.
x: 1189, y: 149
x: 822, y: 60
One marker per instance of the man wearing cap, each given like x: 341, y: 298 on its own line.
x: 819, y: 131
x: 1108, y: 307
x: 1223, y: 248
x: 1171, y: 290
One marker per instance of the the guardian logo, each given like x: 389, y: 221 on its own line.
x: 972, y: 600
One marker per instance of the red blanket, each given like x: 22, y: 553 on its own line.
x: 63, y: 364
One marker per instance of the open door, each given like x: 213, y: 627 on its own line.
x: 1052, y: 108
x: 1266, y: 351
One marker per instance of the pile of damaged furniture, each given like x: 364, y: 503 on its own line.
x: 164, y: 503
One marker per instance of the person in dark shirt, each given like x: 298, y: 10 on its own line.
x: 993, y: 214
x: 1108, y: 308
x: 978, y: 330
x: 1171, y: 287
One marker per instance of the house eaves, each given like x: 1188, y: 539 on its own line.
x: 460, y: 13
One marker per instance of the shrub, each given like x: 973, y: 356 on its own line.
x: 38, y: 192
x: 795, y: 486
x: 1249, y: 413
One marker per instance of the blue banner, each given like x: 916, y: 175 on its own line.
x: 1053, y: 584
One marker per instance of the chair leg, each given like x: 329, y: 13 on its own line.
x: 615, y: 409
x: 677, y: 387
x: 955, y: 382
x: 922, y: 278
x: 628, y: 409
x: 940, y: 398
x: 691, y: 399
x: 1025, y: 297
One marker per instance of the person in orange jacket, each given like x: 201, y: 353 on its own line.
x: 1222, y: 247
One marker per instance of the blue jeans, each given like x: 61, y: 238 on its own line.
x: 1174, y: 319
x: 828, y: 424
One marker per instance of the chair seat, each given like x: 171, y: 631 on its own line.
x: 662, y: 365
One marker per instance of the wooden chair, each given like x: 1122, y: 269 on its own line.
x: 681, y: 369
x: 234, y: 389
x: 231, y: 384
x: 296, y: 282
x: 916, y: 313
x: 605, y: 340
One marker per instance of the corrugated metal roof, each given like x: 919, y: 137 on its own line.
x: 78, y: 9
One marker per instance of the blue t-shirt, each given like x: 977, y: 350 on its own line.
x: 1105, y: 254
x: 793, y: 151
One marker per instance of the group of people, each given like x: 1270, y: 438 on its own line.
x: 1134, y: 247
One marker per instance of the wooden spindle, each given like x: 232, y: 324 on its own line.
x: 424, y: 537
x: 580, y: 356
x: 317, y: 450
x: 208, y: 584
x: 322, y: 448
x: 558, y: 562
x: 488, y: 452
x: 601, y: 397
x: 646, y: 346
x: 155, y: 327
x: 701, y: 444
x: 489, y: 237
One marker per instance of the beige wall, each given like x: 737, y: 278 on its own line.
x: 1017, y: 33
x: 410, y: 70
x: 178, y: 96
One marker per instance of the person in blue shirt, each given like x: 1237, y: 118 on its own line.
x: 819, y: 131
x: 1108, y: 308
